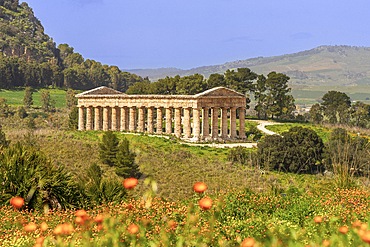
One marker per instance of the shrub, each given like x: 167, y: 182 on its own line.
x: 27, y: 173
x: 299, y: 150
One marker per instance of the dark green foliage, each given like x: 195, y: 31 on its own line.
x: 299, y: 150
x: 108, y: 148
x: 336, y: 106
x: 239, y: 155
x: 102, y: 190
x: 71, y: 100
x: 73, y: 118
x: 27, y: 173
x: 118, y: 155
x: 27, y: 99
x: 125, y: 165
x: 48, y: 104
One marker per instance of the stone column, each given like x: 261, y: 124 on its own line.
x: 159, y: 121
x: 150, y: 123
x: 196, y: 123
x: 233, y: 123
x: 124, y: 118
x: 141, y: 120
x: 89, y: 118
x: 242, y: 123
x: 205, y: 122
x: 214, y: 122
x: 114, y: 119
x: 168, y: 120
x: 132, y: 124
x: 178, y: 122
x: 187, y: 127
x: 105, y: 119
x: 81, y: 122
x: 97, y: 120
x: 224, y: 126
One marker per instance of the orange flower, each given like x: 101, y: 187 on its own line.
x: 172, y: 224
x: 343, y: 229
x: 366, y: 237
x: 130, y: 183
x: 326, y: 243
x: 63, y: 229
x: 199, y: 187
x: 43, y: 226
x: 82, y: 213
x: 40, y: 240
x: 317, y: 219
x: 248, y: 242
x: 99, y: 219
x: 205, y: 203
x: 133, y: 229
x: 30, y: 227
x: 17, y: 202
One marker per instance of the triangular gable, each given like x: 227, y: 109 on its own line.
x: 100, y: 91
x: 220, y: 91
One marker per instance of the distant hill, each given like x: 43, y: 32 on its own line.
x: 328, y: 65
x: 22, y: 35
x: 29, y: 57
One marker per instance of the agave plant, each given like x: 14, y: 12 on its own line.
x: 26, y: 172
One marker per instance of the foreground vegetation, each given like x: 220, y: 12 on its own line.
x: 298, y: 217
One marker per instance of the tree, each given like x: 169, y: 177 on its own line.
x: 125, y: 161
x: 71, y: 100
x: 108, y: 148
x: 360, y: 114
x: 47, y: 104
x: 279, y: 102
x: 27, y: 99
x: 316, y: 114
x: 216, y: 80
x: 299, y: 150
x: 336, y: 106
x: 240, y: 80
x: 118, y: 155
x: 260, y: 97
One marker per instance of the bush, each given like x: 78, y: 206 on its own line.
x: 27, y: 173
x: 299, y: 150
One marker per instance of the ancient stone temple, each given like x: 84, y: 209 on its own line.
x: 210, y: 115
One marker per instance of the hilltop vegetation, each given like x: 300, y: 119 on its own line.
x: 29, y: 57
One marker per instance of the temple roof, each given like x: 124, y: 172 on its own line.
x: 219, y: 91
x: 100, y: 91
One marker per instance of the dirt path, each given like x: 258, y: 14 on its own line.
x: 261, y: 126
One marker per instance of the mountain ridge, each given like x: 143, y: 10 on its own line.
x: 334, y: 65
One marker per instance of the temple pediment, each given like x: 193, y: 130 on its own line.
x: 100, y: 91
x: 219, y: 91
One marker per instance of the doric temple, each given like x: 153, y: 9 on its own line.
x: 210, y: 115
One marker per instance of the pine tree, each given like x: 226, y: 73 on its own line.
x: 125, y: 161
x: 108, y: 148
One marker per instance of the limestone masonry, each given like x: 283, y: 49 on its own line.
x: 191, y: 117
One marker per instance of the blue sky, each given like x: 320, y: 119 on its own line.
x: 185, y: 34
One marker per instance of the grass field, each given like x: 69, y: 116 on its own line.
x: 15, y: 97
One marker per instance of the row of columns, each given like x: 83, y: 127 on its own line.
x: 133, y: 119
